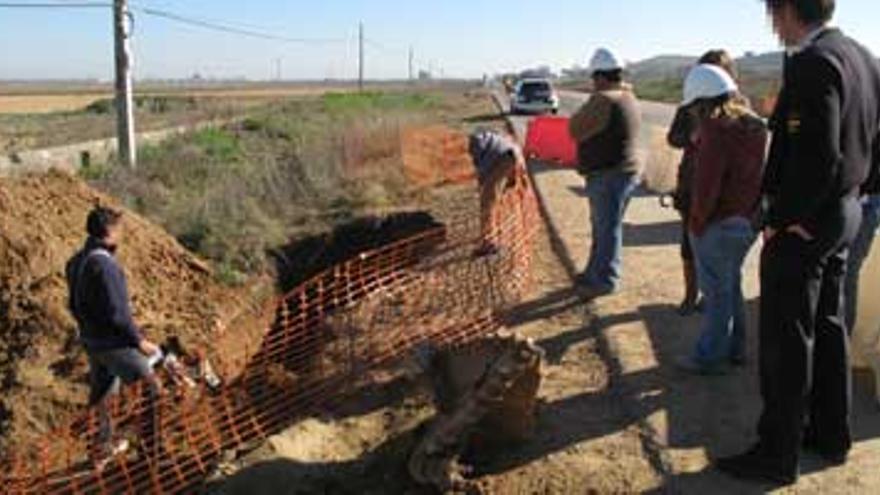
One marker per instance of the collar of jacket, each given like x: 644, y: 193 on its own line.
x: 93, y: 243
x: 621, y: 86
x: 810, y: 38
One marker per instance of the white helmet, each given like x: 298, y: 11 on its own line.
x: 604, y: 60
x: 707, y: 81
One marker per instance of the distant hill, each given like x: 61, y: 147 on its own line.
x: 675, y: 66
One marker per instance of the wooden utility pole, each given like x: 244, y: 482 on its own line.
x: 411, y: 57
x: 361, y: 57
x: 124, y: 91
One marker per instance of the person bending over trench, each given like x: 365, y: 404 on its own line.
x: 500, y: 165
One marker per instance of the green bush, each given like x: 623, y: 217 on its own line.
x: 234, y: 193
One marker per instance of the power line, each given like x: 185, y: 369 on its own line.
x: 223, y: 27
x: 171, y: 16
x: 54, y: 5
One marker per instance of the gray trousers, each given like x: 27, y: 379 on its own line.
x: 106, y: 370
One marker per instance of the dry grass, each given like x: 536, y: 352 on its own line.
x: 13, y: 104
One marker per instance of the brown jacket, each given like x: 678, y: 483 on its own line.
x: 728, y: 172
x: 606, y: 130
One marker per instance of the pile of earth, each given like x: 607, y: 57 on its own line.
x: 42, y: 368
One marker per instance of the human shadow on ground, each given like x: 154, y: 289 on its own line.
x: 381, y: 470
x: 652, y: 234
x: 581, y: 191
x: 705, y: 417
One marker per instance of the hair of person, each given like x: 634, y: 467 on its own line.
x: 100, y: 220
x: 730, y: 106
x: 612, y: 76
x: 720, y: 58
x: 808, y: 11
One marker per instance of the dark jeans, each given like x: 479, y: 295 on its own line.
x: 804, y: 357
x: 609, y: 193
x: 106, y: 370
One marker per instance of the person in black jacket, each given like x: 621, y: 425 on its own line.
x: 824, y: 128
x: 116, y: 348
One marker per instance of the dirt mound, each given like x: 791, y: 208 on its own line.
x: 42, y: 368
x: 436, y: 155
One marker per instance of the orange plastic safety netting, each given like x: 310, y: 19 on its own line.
x: 332, y: 336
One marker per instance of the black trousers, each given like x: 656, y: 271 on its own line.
x: 806, y: 381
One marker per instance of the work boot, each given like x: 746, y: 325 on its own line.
x: 759, y: 465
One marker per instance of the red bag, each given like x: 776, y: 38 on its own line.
x: 548, y: 139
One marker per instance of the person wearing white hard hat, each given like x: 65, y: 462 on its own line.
x: 606, y: 130
x: 729, y: 147
x: 680, y: 136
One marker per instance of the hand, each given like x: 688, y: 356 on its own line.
x: 801, y: 232
x: 148, y: 348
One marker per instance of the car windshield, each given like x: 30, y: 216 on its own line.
x: 533, y: 89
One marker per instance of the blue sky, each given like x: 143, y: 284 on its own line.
x: 461, y: 37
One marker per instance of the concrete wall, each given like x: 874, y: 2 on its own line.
x: 72, y: 157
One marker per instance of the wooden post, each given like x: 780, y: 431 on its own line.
x: 124, y: 92
x: 361, y: 56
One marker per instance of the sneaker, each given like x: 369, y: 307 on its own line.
x: 756, y: 465
x: 110, y: 451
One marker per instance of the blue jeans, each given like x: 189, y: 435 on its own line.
x: 858, y: 253
x: 720, y: 253
x: 609, y: 193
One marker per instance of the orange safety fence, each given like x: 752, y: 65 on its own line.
x: 337, y: 333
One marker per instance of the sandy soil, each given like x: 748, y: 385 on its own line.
x: 617, y: 417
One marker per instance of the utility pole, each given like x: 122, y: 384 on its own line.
x: 361, y: 57
x: 411, y: 57
x: 124, y: 93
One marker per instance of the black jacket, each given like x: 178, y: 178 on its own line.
x: 98, y: 299
x: 825, y: 130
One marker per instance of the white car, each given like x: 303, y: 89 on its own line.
x: 534, y: 96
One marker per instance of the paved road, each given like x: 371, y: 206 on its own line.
x: 661, y: 161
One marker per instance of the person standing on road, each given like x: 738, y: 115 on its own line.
x: 729, y: 143
x: 116, y: 348
x: 500, y: 165
x: 606, y: 130
x: 825, y: 127
x: 681, y: 136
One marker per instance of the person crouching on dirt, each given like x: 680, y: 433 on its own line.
x: 116, y: 348
x: 680, y: 136
x: 606, y: 130
x: 729, y: 149
x: 500, y: 165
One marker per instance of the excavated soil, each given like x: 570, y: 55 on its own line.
x: 42, y: 368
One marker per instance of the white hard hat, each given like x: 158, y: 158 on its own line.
x: 604, y: 60
x: 707, y: 81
